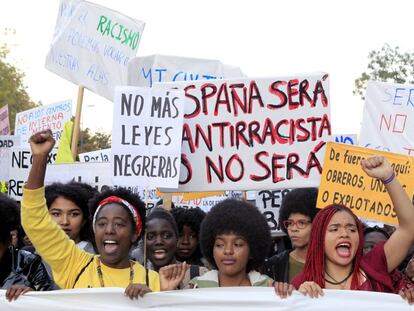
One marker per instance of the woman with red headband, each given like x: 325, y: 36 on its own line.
x: 335, y: 257
x: 118, y: 220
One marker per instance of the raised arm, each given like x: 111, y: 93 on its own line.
x: 396, y: 248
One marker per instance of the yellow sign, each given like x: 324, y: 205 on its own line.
x: 344, y: 182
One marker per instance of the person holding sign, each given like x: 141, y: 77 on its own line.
x: 335, y: 257
x: 118, y: 221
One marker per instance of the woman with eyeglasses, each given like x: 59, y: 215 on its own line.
x: 295, y: 217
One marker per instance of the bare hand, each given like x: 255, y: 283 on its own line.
x: 377, y: 167
x: 42, y: 143
x: 282, y: 289
x: 136, y: 290
x: 172, y: 275
x: 311, y: 289
x: 15, y: 291
x: 407, y: 294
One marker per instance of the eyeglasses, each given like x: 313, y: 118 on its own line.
x: 300, y: 224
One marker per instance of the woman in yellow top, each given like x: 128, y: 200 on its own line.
x: 118, y: 221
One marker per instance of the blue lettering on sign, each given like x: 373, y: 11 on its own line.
x: 400, y: 96
x: 64, y: 60
x: 344, y: 140
x: 97, y: 74
x: 116, y: 55
x: 378, y: 147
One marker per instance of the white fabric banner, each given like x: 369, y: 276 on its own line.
x: 92, y: 45
x: 208, y: 299
x: 147, y: 70
x: 146, y: 136
x: 7, y: 143
x: 41, y: 118
x: 254, y: 134
x: 388, y: 118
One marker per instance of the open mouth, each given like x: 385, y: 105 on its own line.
x: 110, y: 246
x: 343, y: 249
x: 160, y: 254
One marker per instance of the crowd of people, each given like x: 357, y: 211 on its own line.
x: 72, y: 236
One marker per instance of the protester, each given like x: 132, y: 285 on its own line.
x: 335, y: 258
x: 295, y: 218
x: 118, y: 220
x: 161, y: 244
x: 235, y: 239
x: 188, y: 248
x: 372, y: 236
x: 20, y: 271
x: 68, y: 206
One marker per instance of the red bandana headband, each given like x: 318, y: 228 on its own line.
x: 132, y: 209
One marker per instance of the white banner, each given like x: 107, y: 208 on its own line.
x: 147, y: 70
x: 92, y: 45
x: 388, y: 119
x: 146, y: 136
x: 350, y: 139
x: 254, y: 134
x: 207, y: 299
x: 4, y: 120
x: 41, y: 118
x: 102, y: 155
x: 7, y: 142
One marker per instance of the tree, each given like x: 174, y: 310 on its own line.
x: 12, y: 90
x: 388, y: 64
x: 91, y: 142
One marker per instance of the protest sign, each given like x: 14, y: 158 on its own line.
x: 145, y: 71
x: 41, y: 118
x: 344, y: 182
x: 388, y: 118
x: 20, y: 164
x: 269, y: 202
x: 102, y: 155
x: 350, y: 139
x: 7, y: 142
x: 146, y: 137
x: 4, y: 120
x: 92, y: 45
x: 203, y: 299
x: 206, y: 203
x: 254, y: 134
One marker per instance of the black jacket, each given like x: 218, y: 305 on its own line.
x: 277, y: 267
x: 19, y: 267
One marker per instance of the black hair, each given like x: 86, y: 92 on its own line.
x: 161, y: 213
x: 300, y: 200
x: 241, y: 218
x: 191, y: 217
x: 160, y: 203
x: 368, y: 230
x: 9, y: 217
x: 79, y: 194
x: 125, y: 194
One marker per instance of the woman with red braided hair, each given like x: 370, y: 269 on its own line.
x: 335, y: 257
x: 118, y: 221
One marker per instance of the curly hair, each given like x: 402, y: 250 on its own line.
x: 161, y: 213
x: 368, y: 230
x: 300, y: 200
x: 9, y: 217
x: 79, y: 194
x: 241, y: 218
x: 191, y: 217
x: 125, y: 194
x: 314, y: 269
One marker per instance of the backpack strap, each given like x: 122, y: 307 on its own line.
x: 194, y: 271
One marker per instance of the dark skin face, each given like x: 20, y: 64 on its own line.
x: 114, y: 235
x: 161, y: 243
x: 3, y: 249
x: 187, y: 243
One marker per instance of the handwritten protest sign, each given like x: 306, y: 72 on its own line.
x: 146, y: 136
x: 42, y: 118
x: 254, y: 134
x: 92, y: 45
x: 344, y: 182
x: 388, y: 119
x: 102, y: 155
x: 269, y: 203
x: 350, y: 139
x: 4, y: 120
x: 7, y: 143
x: 145, y: 71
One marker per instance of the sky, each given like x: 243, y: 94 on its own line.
x: 264, y: 38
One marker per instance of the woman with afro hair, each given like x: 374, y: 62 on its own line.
x: 234, y: 238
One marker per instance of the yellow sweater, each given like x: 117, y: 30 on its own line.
x: 64, y: 257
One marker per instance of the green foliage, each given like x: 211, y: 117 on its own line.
x: 91, y: 142
x: 12, y: 90
x: 388, y: 64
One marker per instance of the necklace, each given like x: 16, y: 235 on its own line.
x: 338, y: 282
x: 99, y: 270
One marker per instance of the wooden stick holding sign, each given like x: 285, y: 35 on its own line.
x: 344, y: 182
x: 76, y: 125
